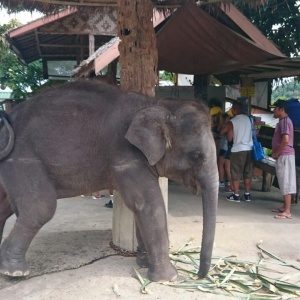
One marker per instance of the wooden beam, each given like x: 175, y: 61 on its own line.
x: 73, y: 3
x: 84, y: 72
x: 40, y: 22
x: 91, y: 44
x: 37, y: 42
x: 63, y: 46
x: 158, y: 4
x: 58, y: 56
x: 107, y: 57
x: 267, y: 66
x: 275, y: 74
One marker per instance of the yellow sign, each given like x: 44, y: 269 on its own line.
x: 247, y: 91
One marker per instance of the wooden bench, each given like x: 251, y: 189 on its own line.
x: 267, y: 165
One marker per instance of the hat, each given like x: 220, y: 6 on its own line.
x: 229, y: 112
x: 279, y: 103
x: 215, y: 110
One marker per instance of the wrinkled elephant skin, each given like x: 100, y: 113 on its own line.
x: 82, y: 137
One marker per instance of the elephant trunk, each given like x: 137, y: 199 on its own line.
x: 11, y: 140
x: 209, y: 193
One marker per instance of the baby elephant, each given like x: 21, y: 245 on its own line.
x: 51, y: 147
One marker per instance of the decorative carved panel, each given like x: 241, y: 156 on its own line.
x: 104, y: 22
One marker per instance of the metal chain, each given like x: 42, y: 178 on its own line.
x: 121, y: 251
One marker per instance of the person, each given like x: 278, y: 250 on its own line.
x: 284, y: 154
x: 110, y: 203
x: 240, y: 132
x: 97, y: 195
x: 215, y: 113
x: 224, y: 156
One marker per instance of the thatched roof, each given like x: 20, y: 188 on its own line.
x: 50, y: 6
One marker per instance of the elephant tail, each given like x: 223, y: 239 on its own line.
x: 5, y: 150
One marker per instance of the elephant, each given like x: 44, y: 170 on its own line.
x: 81, y: 137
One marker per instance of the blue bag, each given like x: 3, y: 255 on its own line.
x: 258, y: 152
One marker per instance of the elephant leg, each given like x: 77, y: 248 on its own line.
x: 5, y: 211
x: 142, y: 256
x: 156, y: 244
x: 14, y: 247
x: 146, y: 202
x: 35, y: 203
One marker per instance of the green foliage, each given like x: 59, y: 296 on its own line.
x: 286, y: 90
x: 164, y: 75
x: 285, y: 16
x: 21, y: 79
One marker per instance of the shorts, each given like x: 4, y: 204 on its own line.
x: 241, y: 165
x: 228, y: 153
x: 225, y: 153
x: 222, y: 152
x: 286, y: 174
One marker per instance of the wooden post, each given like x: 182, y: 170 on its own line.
x: 267, y: 181
x: 8, y: 105
x: 123, y: 232
x: 201, y: 82
x: 91, y: 44
x: 123, y: 220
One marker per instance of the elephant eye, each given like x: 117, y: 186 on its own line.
x: 196, y: 156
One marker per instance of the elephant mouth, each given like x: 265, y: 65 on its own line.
x: 194, y: 186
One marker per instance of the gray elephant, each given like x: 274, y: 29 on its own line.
x: 82, y: 137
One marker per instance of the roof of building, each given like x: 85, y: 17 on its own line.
x: 190, y: 41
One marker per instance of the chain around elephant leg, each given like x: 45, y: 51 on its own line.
x: 122, y: 251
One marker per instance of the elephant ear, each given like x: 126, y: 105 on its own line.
x: 150, y: 132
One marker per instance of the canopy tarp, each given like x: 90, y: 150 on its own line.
x: 193, y: 42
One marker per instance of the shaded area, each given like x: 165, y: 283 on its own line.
x: 52, y: 252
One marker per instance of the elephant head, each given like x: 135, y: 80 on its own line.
x: 177, y: 141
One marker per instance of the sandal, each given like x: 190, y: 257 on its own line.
x: 280, y: 216
x: 277, y: 210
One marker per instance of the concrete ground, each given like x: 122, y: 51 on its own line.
x: 71, y: 258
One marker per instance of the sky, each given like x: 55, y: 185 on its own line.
x: 23, y: 17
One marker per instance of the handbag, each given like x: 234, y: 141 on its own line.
x: 258, y: 152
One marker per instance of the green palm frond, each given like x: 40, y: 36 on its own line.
x: 262, y: 280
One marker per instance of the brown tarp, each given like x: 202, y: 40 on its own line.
x: 192, y: 42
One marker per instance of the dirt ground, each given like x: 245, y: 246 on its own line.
x: 71, y: 258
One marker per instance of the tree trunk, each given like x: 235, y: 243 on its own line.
x: 138, y: 53
x: 138, y: 73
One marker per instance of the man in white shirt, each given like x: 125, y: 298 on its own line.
x: 241, y: 163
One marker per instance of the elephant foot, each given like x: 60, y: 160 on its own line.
x: 14, y: 269
x: 162, y: 272
x: 142, y: 259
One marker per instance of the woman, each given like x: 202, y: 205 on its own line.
x: 224, y: 156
